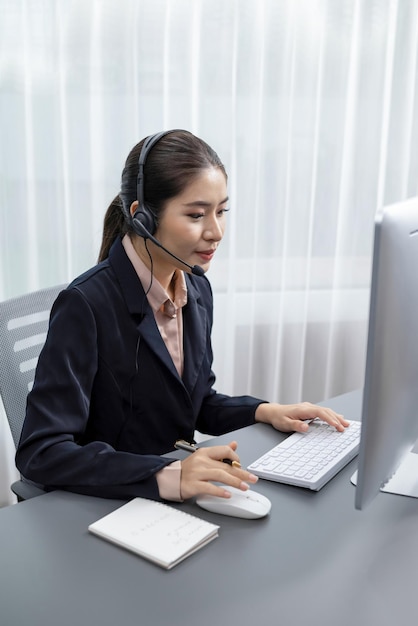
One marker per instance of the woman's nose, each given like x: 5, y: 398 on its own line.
x: 214, y: 230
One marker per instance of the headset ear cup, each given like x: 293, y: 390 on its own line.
x: 143, y: 222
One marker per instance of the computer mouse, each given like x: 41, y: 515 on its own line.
x: 246, y: 504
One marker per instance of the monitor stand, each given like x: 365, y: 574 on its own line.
x: 404, y: 482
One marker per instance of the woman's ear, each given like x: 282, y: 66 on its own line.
x: 134, y: 207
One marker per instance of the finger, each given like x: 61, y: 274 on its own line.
x: 340, y: 422
x: 238, y: 478
x: 203, y: 487
x: 334, y: 419
x: 216, y: 488
x: 211, y: 464
x: 308, y: 411
x: 243, y: 475
x: 298, y: 426
x: 233, y: 477
x: 205, y: 467
x: 227, y: 453
x: 206, y: 488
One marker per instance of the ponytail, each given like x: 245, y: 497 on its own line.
x: 114, y: 225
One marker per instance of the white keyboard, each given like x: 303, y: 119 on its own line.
x: 309, y: 459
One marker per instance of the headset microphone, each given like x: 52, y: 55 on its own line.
x: 143, y: 232
x: 144, y: 221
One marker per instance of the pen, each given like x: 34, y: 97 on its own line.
x: 181, y: 444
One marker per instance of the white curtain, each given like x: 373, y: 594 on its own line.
x: 312, y: 105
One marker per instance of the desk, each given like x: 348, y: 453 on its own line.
x: 315, y: 560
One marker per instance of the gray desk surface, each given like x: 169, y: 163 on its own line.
x: 315, y: 560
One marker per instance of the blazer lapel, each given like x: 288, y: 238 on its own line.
x: 137, y: 304
x: 149, y: 332
x: 195, y: 335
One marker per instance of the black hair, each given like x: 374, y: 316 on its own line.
x: 173, y: 162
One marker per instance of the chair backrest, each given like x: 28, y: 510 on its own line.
x: 23, y: 327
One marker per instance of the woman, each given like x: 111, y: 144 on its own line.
x: 126, y: 368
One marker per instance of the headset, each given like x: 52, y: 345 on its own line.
x: 143, y: 220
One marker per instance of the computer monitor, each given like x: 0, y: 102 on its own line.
x: 390, y: 397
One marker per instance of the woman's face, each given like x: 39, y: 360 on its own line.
x: 193, y: 223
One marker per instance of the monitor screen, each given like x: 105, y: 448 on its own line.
x: 390, y: 398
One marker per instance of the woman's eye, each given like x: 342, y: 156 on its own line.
x: 199, y: 216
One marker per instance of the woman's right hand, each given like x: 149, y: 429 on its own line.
x: 205, y: 466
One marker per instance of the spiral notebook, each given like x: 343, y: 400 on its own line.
x: 156, y: 531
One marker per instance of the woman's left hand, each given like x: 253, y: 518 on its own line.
x: 292, y: 417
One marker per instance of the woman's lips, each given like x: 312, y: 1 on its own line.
x: 206, y: 255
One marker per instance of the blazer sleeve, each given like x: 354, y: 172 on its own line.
x: 221, y: 414
x: 49, y: 452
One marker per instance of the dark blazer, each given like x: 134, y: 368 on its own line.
x: 107, y: 400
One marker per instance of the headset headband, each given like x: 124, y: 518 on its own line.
x: 147, y: 146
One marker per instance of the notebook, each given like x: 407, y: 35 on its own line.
x: 156, y: 531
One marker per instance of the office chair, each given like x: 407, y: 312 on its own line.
x: 23, y: 327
